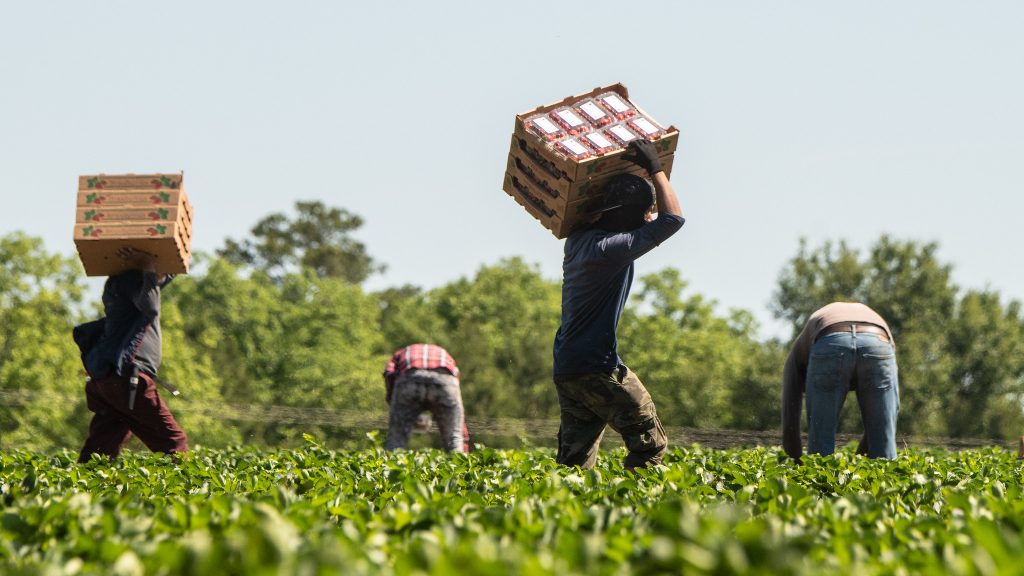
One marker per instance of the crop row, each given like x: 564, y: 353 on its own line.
x: 316, y: 511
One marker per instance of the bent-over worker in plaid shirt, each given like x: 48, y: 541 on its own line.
x: 424, y: 377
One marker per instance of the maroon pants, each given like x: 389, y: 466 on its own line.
x: 113, y: 423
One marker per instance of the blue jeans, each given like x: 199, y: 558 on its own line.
x: 838, y: 362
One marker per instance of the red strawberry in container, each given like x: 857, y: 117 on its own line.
x: 152, y: 231
x: 594, y: 113
x: 156, y: 184
x: 620, y: 133
x: 619, y: 108
x: 542, y: 126
x: 570, y: 121
x: 572, y: 148
x: 645, y: 127
x: 600, y: 143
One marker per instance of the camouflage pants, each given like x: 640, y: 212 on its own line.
x: 418, y: 390
x: 590, y: 401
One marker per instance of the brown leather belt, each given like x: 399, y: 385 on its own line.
x: 854, y: 327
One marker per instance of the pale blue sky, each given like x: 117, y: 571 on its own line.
x: 802, y: 118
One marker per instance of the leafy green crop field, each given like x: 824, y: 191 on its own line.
x: 317, y: 511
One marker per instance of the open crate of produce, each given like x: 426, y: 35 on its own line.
x: 555, y: 163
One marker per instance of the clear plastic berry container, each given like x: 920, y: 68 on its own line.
x: 619, y: 108
x: 569, y: 120
x: 594, y: 113
x: 545, y: 127
x: 600, y: 143
x: 621, y: 133
x: 645, y: 127
x: 572, y: 148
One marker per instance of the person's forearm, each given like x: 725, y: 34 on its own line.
x: 791, y: 404
x: 668, y: 203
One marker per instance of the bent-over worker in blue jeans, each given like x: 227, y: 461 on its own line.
x: 844, y: 346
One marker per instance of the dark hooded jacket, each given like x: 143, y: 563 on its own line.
x: 130, y: 331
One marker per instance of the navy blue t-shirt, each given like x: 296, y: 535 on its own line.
x: 596, y: 275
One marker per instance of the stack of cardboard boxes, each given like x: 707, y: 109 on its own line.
x: 563, y: 154
x: 147, y: 212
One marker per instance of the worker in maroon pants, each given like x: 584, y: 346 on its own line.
x: 121, y: 353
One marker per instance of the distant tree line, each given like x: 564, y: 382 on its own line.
x: 281, y: 319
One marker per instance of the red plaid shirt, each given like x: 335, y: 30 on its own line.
x: 423, y: 356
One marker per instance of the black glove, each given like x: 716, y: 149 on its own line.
x: 644, y: 155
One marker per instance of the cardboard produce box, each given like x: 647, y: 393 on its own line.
x: 149, y: 212
x: 550, y: 184
x: 559, y: 188
x: 104, y: 214
x: 539, y: 201
x: 131, y: 182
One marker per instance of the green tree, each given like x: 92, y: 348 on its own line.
x: 408, y: 315
x: 902, y: 281
x: 186, y: 364
x: 298, y: 341
x: 986, y: 340
x: 702, y: 370
x: 499, y: 326
x: 42, y: 405
x: 318, y: 238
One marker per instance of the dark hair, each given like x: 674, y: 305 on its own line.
x: 627, y: 198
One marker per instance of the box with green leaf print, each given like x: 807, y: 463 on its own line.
x: 148, y: 212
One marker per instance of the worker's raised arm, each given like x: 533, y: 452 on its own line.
x: 645, y: 155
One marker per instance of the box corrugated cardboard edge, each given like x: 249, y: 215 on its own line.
x: 535, y: 207
x: 572, y: 169
x: 557, y: 213
x: 559, y: 221
x: 98, y: 243
x: 131, y: 181
x: 566, y: 191
x: 132, y: 197
x: 137, y: 215
x: 123, y: 200
x: 99, y: 258
x: 100, y: 230
x: 129, y: 230
x: 544, y: 207
x: 130, y: 213
x: 569, y: 169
